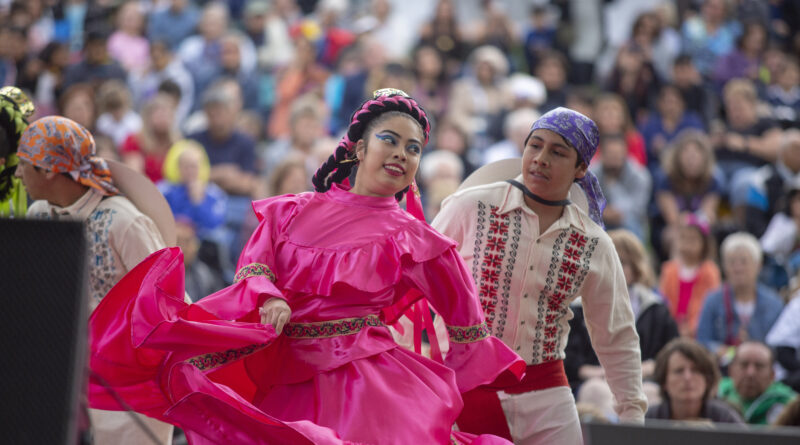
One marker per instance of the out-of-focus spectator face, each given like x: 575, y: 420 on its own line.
x: 445, y: 10
x: 794, y: 206
x: 790, y: 152
x: 755, y: 38
x: 692, y: 160
x: 186, y: 239
x: 630, y: 60
x: 230, y: 55
x: 670, y: 103
x: 789, y: 75
x: 484, y: 72
x: 646, y: 29
x: 773, y: 59
x: 96, y: 51
x: 130, y: 18
x: 306, y: 129
x: 80, y: 107
x: 221, y: 118
x: 160, y: 55
x: 714, y: 11
x: 741, y: 269
x: 751, y: 370
x: 381, y: 8
x: 189, y: 166
x: 160, y: 113
x: 685, y: 74
x: 60, y: 57
x: 178, y: 5
x: 610, y: 116
x: 214, y: 22
x: 740, y: 110
x: 294, y: 180
x: 614, y: 154
x: 684, y: 382
x: 429, y: 62
x: 627, y: 268
x: 450, y: 138
x: 551, y: 73
x: 689, y: 243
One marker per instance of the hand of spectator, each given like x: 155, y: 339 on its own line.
x: 276, y: 312
x: 735, y: 142
x: 612, y: 216
x: 196, y: 190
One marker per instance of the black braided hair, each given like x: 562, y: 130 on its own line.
x: 340, y: 164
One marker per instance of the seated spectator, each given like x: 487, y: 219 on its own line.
x: 745, y: 60
x: 710, y: 35
x: 450, y: 136
x: 686, y: 183
x: 516, y: 127
x: 540, y: 34
x: 654, y: 324
x: 78, y: 104
x: 745, y: 142
x: 146, y: 150
x: 431, y: 82
x: 696, y: 96
x: 768, y: 187
x: 612, y: 117
x: 117, y: 118
x: 625, y: 184
x: 743, y: 309
x: 187, y: 190
x: 306, y: 126
x: 127, y: 45
x: 97, y: 65
x: 751, y: 387
x: 163, y: 67
x: 173, y: 23
x: 690, y: 273
x: 440, y: 164
x: 664, y: 126
x: 633, y: 77
x: 230, y: 65
x: 232, y: 153
x: 688, y: 376
x: 552, y: 71
x: 785, y: 338
x: 55, y: 59
x: 783, y: 96
x: 781, y: 240
x: 200, y: 279
x: 480, y: 98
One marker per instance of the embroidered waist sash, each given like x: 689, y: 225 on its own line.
x: 330, y: 328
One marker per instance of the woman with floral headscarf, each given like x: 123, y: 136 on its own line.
x: 297, y: 349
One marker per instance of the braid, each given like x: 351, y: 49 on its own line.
x: 339, y: 165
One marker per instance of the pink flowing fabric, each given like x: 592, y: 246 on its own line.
x: 214, y: 370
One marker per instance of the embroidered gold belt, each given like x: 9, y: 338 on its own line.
x: 330, y: 328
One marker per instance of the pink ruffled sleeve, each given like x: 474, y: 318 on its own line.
x: 475, y: 356
x: 256, y: 278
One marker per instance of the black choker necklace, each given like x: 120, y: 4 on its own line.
x: 537, y: 198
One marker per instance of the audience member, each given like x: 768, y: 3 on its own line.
x: 710, y: 35
x: 145, y: 150
x: 127, y: 45
x: 117, y: 118
x: 743, y: 309
x: 97, y: 65
x: 745, y: 60
x: 626, y: 185
x: 612, y: 116
x: 785, y: 338
x: 688, y: 376
x: 751, y: 387
x: 163, y: 67
x: 516, y: 128
x: 199, y: 279
x: 690, y: 274
x: 173, y: 23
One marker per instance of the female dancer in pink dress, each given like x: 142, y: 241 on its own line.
x: 296, y: 350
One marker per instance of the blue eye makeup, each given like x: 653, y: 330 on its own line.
x: 385, y: 138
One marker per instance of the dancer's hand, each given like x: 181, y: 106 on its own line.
x: 276, y: 312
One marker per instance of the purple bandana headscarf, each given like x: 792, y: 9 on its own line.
x: 582, y: 133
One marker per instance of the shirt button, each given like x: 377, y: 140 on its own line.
x: 530, y: 268
x: 519, y: 347
x: 522, y: 322
x: 538, y: 241
x: 525, y: 296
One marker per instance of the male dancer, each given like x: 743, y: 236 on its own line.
x: 532, y: 252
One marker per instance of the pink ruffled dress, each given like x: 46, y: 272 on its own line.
x: 343, y: 262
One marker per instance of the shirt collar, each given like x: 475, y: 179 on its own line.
x: 80, y: 209
x: 514, y: 199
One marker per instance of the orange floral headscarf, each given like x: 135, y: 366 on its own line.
x: 61, y: 145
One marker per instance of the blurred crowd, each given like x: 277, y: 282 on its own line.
x: 697, y: 101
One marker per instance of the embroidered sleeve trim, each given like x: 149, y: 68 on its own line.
x: 254, y: 270
x: 468, y: 334
x: 331, y: 328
